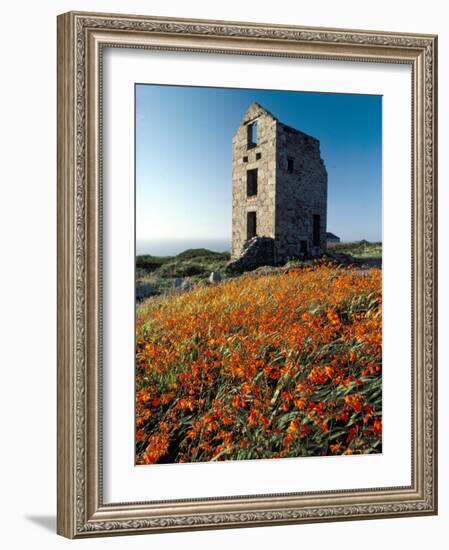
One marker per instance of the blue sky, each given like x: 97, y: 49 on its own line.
x: 183, y: 158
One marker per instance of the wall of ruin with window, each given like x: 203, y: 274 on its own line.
x: 301, y: 194
x: 279, y: 187
x: 253, y: 178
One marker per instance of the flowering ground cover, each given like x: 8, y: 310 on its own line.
x: 283, y: 364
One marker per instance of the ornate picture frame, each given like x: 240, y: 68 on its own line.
x: 82, y: 38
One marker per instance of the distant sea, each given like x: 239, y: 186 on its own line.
x: 171, y: 247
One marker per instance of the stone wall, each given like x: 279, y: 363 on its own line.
x: 291, y: 189
x: 301, y: 194
x: 244, y: 159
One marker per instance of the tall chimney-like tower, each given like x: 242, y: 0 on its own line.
x: 279, y: 187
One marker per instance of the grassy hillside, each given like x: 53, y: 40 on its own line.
x: 358, y: 250
x: 158, y: 273
x: 271, y: 365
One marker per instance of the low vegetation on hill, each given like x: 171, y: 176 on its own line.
x: 156, y: 275
x: 281, y: 363
x: 358, y: 250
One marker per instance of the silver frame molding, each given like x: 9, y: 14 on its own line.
x: 81, y: 39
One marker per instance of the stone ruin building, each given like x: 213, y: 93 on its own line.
x: 279, y: 192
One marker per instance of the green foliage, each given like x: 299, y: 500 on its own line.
x: 195, y: 264
x: 181, y: 269
x: 358, y: 250
x: 151, y: 263
x: 203, y: 253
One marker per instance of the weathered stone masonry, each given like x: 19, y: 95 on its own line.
x: 279, y: 187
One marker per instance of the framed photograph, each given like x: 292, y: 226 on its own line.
x: 246, y: 274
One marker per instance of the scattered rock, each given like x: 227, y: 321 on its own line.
x: 185, y: 285
x: 181, y: 284
x: 215, y: 277
x: 178, y: 283
x: 144, y: 290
